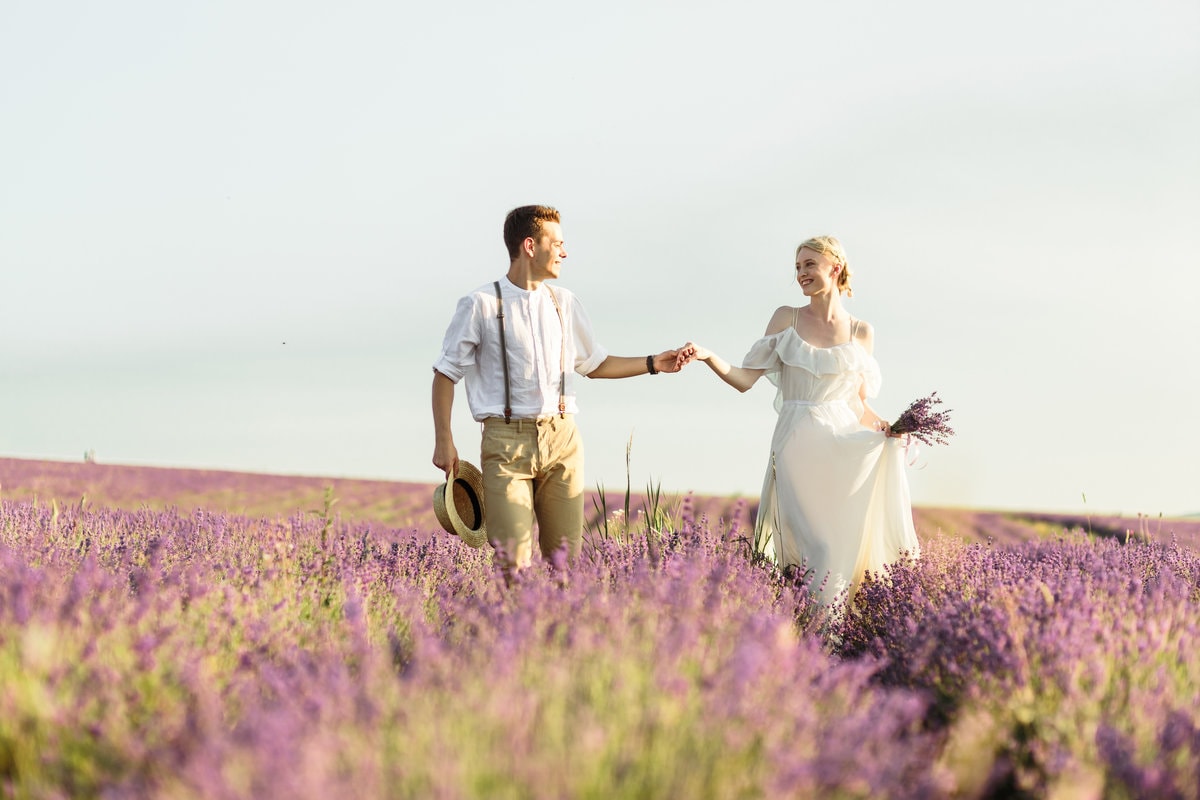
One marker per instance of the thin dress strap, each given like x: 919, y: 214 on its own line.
x: 853, y: 329
x: 795, y: 316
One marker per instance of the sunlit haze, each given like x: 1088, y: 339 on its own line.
x: 232, y: 234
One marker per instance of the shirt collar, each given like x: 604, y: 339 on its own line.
x: 508, y: 283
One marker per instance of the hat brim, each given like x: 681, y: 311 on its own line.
x: 463, y: 514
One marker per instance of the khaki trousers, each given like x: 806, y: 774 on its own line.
x: 532, y: 467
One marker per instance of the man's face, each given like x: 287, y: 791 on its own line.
x: 548, y: 251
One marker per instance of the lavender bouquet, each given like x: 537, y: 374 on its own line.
x: 923, y: 423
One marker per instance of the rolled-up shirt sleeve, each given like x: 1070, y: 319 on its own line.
x: 461, y: 341
x: 589, y: 353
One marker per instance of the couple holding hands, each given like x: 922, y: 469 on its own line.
x: 835, y: 499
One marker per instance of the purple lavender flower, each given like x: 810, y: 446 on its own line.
x: 161, y: 653
x: 923, y: 423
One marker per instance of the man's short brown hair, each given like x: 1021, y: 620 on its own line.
x: 524, y: 222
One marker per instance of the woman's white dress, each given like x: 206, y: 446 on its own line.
x: 835, y: 498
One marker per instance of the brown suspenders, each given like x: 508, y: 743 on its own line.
x: 562, y: 356
x: 503, y: 354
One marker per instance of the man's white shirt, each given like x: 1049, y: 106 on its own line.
x: 471, y: 349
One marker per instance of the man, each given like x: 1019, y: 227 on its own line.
x: 517, y: 369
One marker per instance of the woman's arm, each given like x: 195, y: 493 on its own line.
x: 869, y: 418
x: 739, y: 378
x: 865, y: 336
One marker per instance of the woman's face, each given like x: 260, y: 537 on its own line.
x: 815, y: 272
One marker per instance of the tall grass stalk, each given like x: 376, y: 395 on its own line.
x: 600, y: 504
x: 628, y: 476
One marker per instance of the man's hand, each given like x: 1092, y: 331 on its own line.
x: 445, y: 458
x: 687, y: 354
x: 673, y: 360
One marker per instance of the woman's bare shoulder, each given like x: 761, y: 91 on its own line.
x: 864, y: 334
x: 781, y: 320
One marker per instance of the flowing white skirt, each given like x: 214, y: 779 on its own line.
x: 835, y: 498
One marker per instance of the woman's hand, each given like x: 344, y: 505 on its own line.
x: 696, y: 352
x: 885, y: 427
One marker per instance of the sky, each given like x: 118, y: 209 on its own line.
x: 232, y: 234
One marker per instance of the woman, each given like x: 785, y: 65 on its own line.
x: 835, y: 500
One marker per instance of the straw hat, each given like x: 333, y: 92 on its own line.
x: 464, y: 516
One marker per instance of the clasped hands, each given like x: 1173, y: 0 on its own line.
x: 675, y: 360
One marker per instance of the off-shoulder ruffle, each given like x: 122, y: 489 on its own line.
x: 787, y: 347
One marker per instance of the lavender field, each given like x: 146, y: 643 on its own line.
x: 409, y: 505
x: 167, y: 647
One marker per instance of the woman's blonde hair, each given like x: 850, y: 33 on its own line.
x: 830, y: 247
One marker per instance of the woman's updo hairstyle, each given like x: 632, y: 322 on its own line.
x: 830, y: 247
